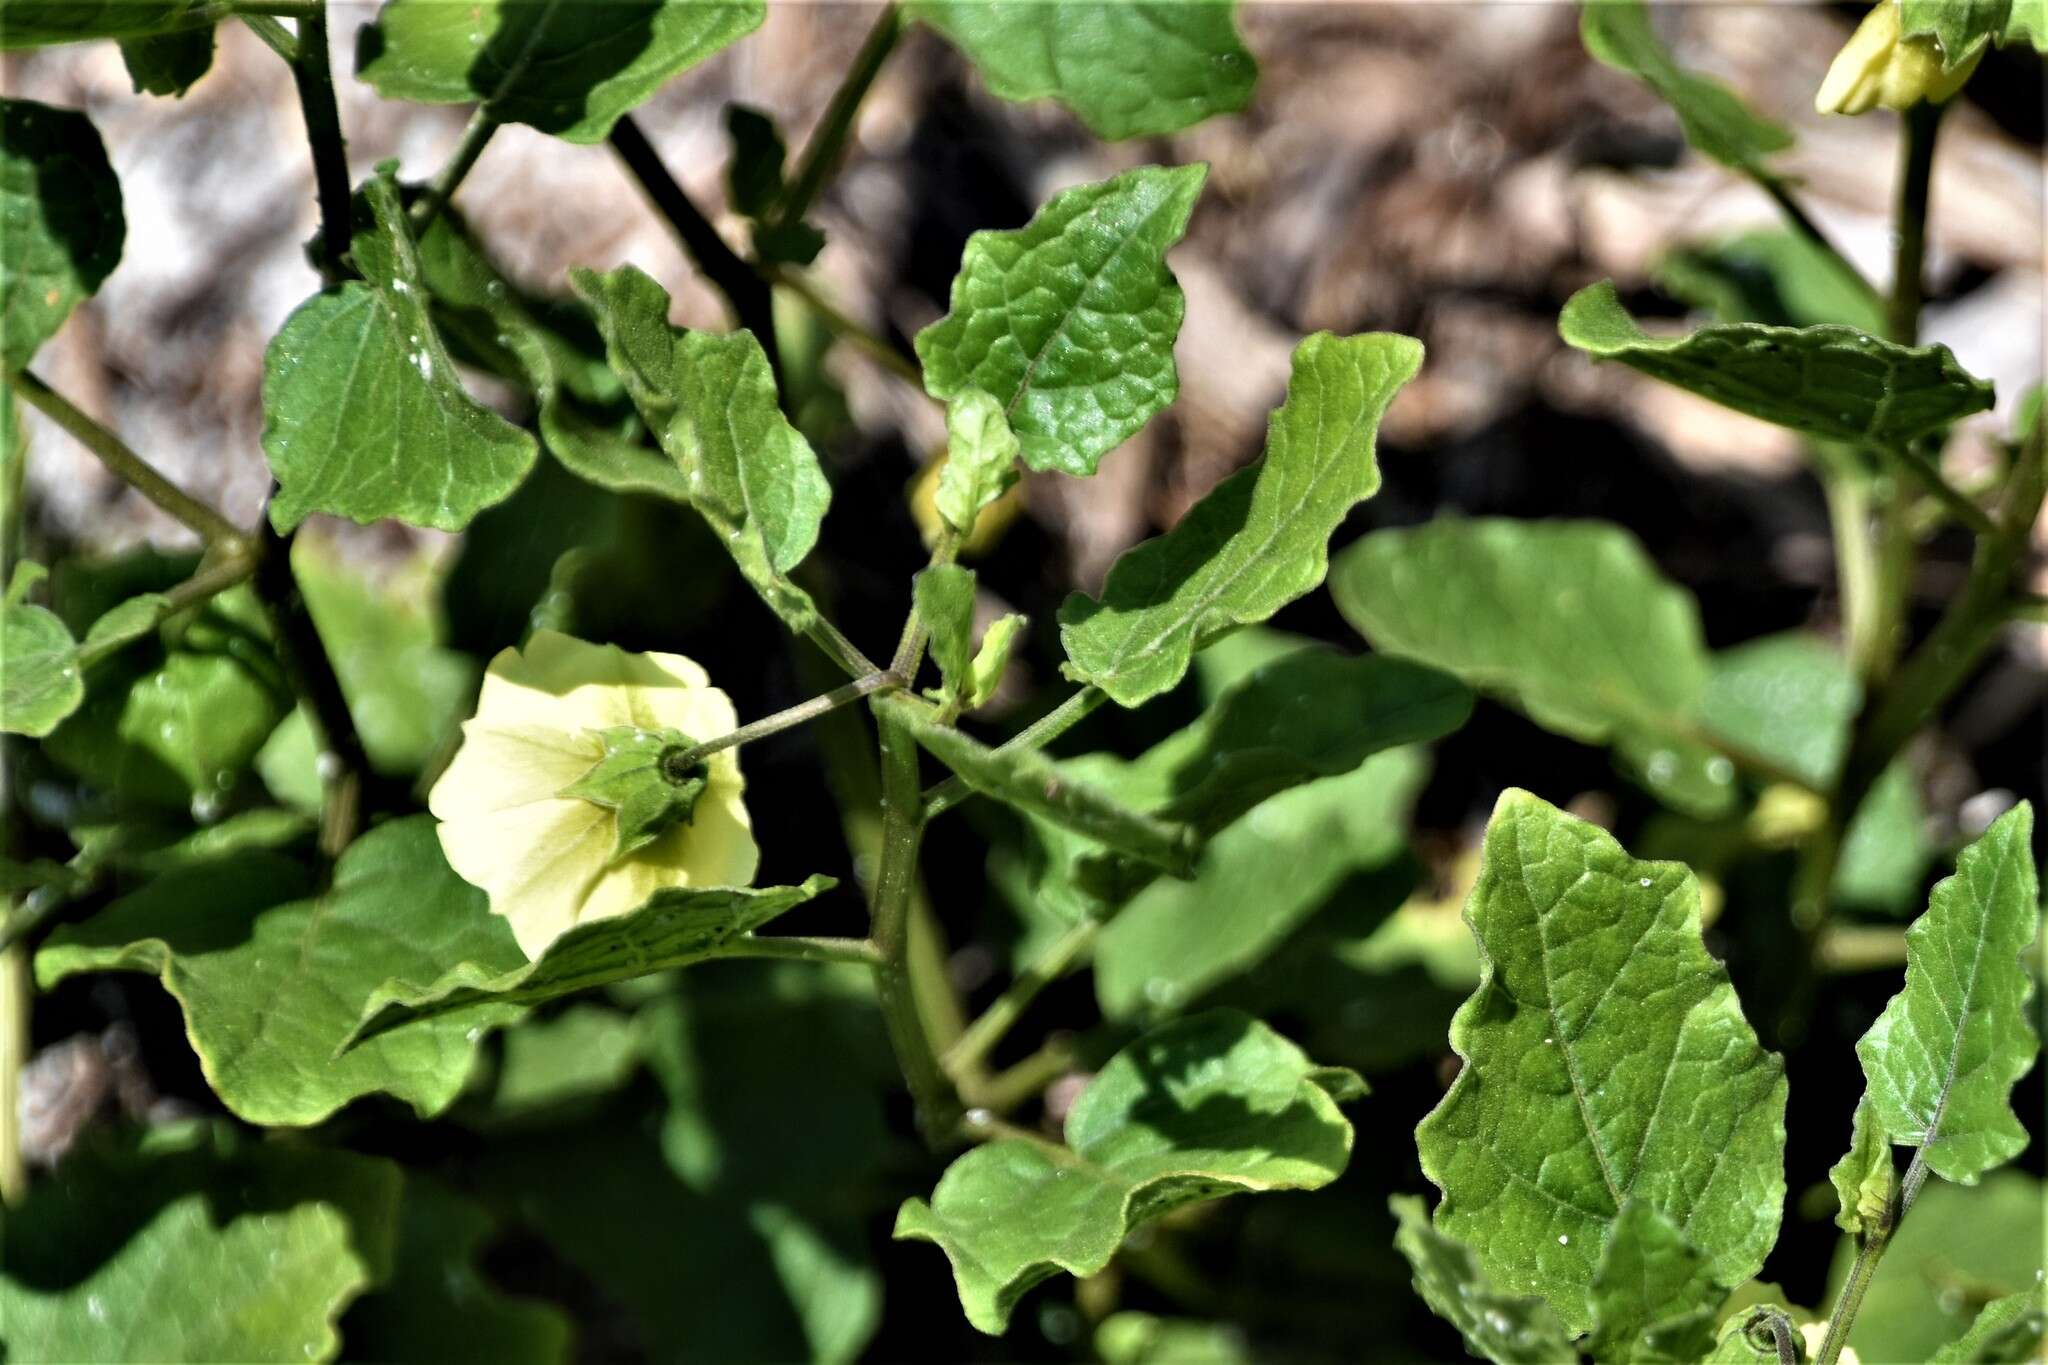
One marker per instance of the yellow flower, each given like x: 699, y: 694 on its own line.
x: 563, y: 714
x: 1878, y: 67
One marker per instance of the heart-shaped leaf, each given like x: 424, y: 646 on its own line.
x: 61, y: 225
x: 41, y: 683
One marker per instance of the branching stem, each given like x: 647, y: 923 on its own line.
x: 985, y: 1033
x: 1041, y: 732
x: 800, y: 714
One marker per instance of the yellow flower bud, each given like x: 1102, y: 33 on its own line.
x: 1878, y: 67
x: 549, y: 858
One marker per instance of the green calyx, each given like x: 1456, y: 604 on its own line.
x: 642, y: 781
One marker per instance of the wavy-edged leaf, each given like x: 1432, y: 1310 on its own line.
x: 169, y: 63
x: 1865, y: 1179
x: 2007, y: 1330
x: 1606, y: 1059
x: 61, y: 226
x: 981, y: 459
x: 944, y: 596
x: 1941, y: 1061
x: 1258, y: 540
x: 1835, y: 383
x: 38, y: 23
x: 40, y: 680
x: 364, y: 415
x: 567, y: 67
x: 677, y: 926
x: 1069, y: 321
x: 1134, y: 69
x: 1653, y: 1299
x: 1206, y: 1106
x: 272, y: 977
x: 1507, y: 1328
x: 711, y: 400
x: 1717, y: 123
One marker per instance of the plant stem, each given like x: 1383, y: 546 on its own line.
x: 1916, y: 170
x: 315, y: 81
x: 841, y: 650
x: 475, y: 138
x: 1856, y: 576
x: 931, y: 1090
x: 821, y: 154
x: 891, y: 356
x: 800, y: 714
x: 275, y: 36
x: 1013, y: 1085
x: 15, y: 995
x: 1802, y: 222
x: 213, y: 528
x: 1961, y: 508
x: 209, y: 581
x: 801, y: 948
x: 748, y: 295
x: 341, y: 761
x: 282, y: 9
x: 1867, y: 1256
x: 1041, y: 732
x: 981, y: 1037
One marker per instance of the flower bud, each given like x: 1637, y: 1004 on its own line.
x: 1878, y: 66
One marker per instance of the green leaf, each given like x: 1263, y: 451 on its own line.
x: 127, y: 623
x: 1606, y: 1058
x: 1717, y: 123
x: 1129, y: 1338
x: 981, y: 458
x: 1791, y: 697
x: 61, y: 225
x: 1203, y: 1107
x: 1885, y: 852
x: 1835, y: 383
x: 2007, y: 1330
x: 272, y: 978
x: 1069, y: 321
x: 364, y: 415
x: 1962, y: 27
x: 1865, y: 1179
x: 711, y: 400
x: 1771, y: 275
x: 985, y: 671
x: 1031, y: 782
x: 1653, y: 1299
x: 37, y: 23
x: 1507, y: 1328
x: 554, y: 1066
x: 41, y: 683
x: 552, y: 348
x: 1133, y: 69
x: 1256, y: 542
x: 1751, y: 1337
x: 437, y: 1306
x: 753, y: 177
x: 565, y: 67
x: 677, y: 926
x: 194, y: 1243
x: 1942, y: 1059
x: 944, y: 596
x: 169, y: 63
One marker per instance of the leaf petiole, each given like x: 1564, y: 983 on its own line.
x: 1041, y: 732
x: 800, y: 714
x: 475, y: 138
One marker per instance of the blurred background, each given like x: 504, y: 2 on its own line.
x: 1453, y: 171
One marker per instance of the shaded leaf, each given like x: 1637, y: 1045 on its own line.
x: 61, y: 225
x: 1885, y: 852
x: 1203, y: 1107
x: 1507, y: 1328
x: 273, y: 977
x: 1606, y: 1058
x: 676, y: 927
x: 1258, y: 540
x: 41, y: 682
x: 1835, y: 383
x: 2007, y: 1330
x: 1069, y: 321
x: 35, y: 23
x: 169, y: 63
x: 981, y: 459
x: 126, y: 623
x: 1717, y: 123
x: 1129, y: 1338
x: 364, y: 415
x: 1771, y: 275
x: 944, y: 596
x: 565, y: 67
x: 555, y: 1066
x: 1653, y: 1299
x: 1942, y: 1059
x: 1751, y: 1337
x: 753, y: 177
x: 1962, y: 27
x: 1126, y: 70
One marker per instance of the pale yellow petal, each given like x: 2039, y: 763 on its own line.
x: 499, y: 767
x: 699, y: 712
x: 539, y: 863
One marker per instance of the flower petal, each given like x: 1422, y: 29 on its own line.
x: 540, y: 863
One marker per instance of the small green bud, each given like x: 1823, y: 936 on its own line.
x: 639, y: 780
x: 1880, y: 67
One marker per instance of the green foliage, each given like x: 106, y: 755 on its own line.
x: 563, y: 67
x: 1942, y: 1059
x: 1835, y: 383
x: 1774, y: 276
x: 1136, y: 69
x: 981, y: 458
x: 41, y: 683
x: 1204, y: 1107
x: 1142, y: 1339
x: 1507, y: 1328
x: 1259, y: 540
x: 364, y: 416
x: 1716, y: 122
x: 61, y: 225
x: 169, y: 63
x: 1606, y: 1060
x: 1069, y: 321
x: 2007, y: 1330
x: 1962, y: 27
x: 1653, y: 1296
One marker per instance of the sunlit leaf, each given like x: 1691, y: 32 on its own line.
x: 1131, y: 69
x: 1502, y: 1327
x: 1865, y: 1179
x: 1835, y: 383
x: 1257, y: 541
x: 1716, y: 121
x: 1606, y: 1059
x: 61, y: 226
x: 944, y: 595
x: 981, y: 459
x: 1207, y: 1106
x: 563, y: 66
x: 41, y: 682
x: 364, y: 415
x: 1069, y: 321
x: 1962, y: 27
x: 1653, y: 1299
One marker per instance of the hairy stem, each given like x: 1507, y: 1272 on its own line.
x: 213, y: 528
x: 274, y: 35
x: 821, y: 154
x: 1850, y: 1300
x: 1909, y: 226
x: 315, y: 81
x: 800, y: 714
x: 475, y: 138
x: 1041, y: 732
x: 981, y: 1037
x: 801, y: 948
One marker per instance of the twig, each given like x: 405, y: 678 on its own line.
x: 1803, y: 223
x: 475, y: 138
x: 981, y: 1037
x: 891, y: 356
x: 800, y: 714
x: 209, y: 581
x: 802, y: 948
x: 1041, y: 732
x: 315, y: 81
x: 1928, y: 477
x: 821, y: 154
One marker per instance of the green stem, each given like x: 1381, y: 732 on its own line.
x: 891, y: 356
x: 1850, y: 1300
x: 1909, y: 255
x: 1041, y: 732
x: 1856, y: 573
x: 931, y: 1090
x: 211, y: 580
x: 281, y: 9
x: 1928, y: 477
x: 1013, y: 1085
x: 475, y: 138
x: 821, y: 154
x: 1802, y: 222
x: 800, y: 714
x: 15, y: 995
x: 213, y: 528
x: 841, y: 650
x: 315, y: 81
x: 275, y: 36
x: 801, y: 948
x: 983, y: 1035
